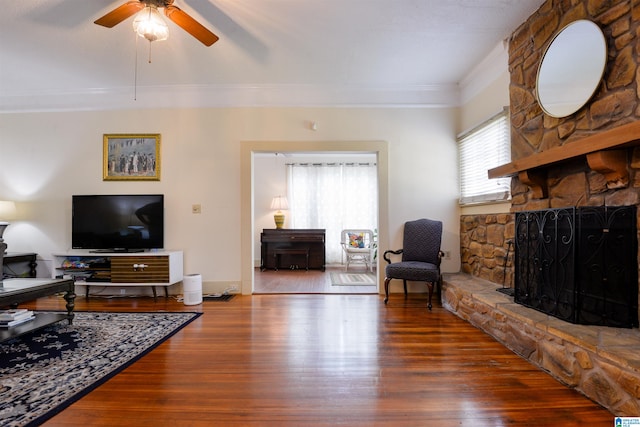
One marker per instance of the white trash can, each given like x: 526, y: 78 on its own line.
x: 192, y: 289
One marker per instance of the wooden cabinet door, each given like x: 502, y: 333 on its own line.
x: 140, y: 269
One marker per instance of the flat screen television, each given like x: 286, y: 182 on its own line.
x: 117, y: 223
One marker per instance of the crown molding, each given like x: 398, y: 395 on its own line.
x: 219, y: 96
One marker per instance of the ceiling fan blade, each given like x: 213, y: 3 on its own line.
x: 120, y: 13
x: 190, y: 25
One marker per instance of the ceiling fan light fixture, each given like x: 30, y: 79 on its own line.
x: 150, y: 25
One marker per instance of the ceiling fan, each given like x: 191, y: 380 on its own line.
x: 174, y: 13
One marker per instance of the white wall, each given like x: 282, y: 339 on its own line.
x: 47, y: 157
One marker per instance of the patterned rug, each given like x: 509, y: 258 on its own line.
x: 44, y: 372
x: 352, y: 279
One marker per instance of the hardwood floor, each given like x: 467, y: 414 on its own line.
x: 292, y: 360
x: 306, y: 282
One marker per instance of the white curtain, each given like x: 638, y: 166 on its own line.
x: 333, y: 196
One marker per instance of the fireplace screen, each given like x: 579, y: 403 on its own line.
x: 579, y: 264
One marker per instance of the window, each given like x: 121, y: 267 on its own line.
x: 333, y: 196
x: 483, y: 148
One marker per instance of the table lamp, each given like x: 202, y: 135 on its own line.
x: 278, y: 203
x: 7, y: 212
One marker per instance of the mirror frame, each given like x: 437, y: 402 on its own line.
x: 569, y: 67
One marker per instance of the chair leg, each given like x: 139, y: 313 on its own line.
x: 430, y: 286
x: 386, y: 289
x: 404, y: 282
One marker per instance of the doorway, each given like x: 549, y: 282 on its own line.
x: 248, y: 219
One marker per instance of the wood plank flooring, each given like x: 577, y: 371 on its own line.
x: 315, y: 360
x: 306, y: 282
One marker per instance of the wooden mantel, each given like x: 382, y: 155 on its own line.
x: 599, y: 150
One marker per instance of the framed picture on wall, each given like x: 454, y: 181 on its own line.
x: 131, y: 157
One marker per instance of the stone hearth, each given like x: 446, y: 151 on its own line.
x: 600, y: 362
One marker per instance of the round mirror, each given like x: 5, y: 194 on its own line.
x: 571, y: 68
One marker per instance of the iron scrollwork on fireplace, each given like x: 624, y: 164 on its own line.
x: 579, y: 264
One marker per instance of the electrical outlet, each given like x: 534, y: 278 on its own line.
x: 447, y: 254
x: 196, y: 209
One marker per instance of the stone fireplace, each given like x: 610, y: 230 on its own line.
x: 602, y: 177
x: 589, y: 159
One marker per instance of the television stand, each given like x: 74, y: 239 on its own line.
x: 148, y: 269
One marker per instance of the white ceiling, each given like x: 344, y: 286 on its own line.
x: 270, y: 53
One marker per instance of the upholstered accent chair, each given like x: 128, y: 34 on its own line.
x: 359, y: 245
x: 421, y: 256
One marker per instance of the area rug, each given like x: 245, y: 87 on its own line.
x: 352, y: 279
x: 43, y: 372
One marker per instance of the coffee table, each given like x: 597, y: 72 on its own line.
x: 16, y: 291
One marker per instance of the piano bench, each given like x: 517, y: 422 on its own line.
x: 278, y: 252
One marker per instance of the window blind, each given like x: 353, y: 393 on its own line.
x: 483, y: 148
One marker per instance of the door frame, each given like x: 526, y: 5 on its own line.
x: 248, y: 148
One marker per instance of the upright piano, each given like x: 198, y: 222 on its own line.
x: 292, y: 249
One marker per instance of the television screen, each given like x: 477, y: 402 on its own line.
x: 126, y: 222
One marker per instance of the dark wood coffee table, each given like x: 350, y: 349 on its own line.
x: 16, y: 291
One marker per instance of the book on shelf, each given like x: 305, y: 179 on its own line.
x: 10, y: 323
x: 14, y: 314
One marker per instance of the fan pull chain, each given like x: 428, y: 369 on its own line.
x: 135, y: 72
x: 135, y: 69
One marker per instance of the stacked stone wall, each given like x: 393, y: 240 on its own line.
x: 485, y: 249
x: 614, y: 103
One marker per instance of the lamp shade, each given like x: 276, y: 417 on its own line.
x: 279, y: 202
x: 150, y: 24
x: 7, y: 210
